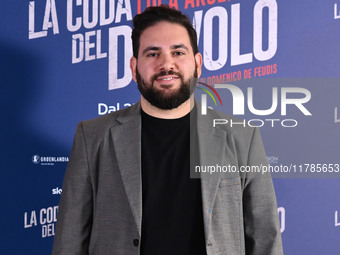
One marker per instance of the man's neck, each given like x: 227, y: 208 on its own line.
x: 176, y: 113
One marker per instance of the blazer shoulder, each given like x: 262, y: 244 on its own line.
x: 104, y: 123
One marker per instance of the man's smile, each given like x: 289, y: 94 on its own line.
x: 167, y: 79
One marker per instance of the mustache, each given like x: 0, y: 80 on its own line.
x: 163, y: 73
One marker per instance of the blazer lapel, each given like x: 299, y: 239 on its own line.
x: 211, y: 152
x: 127, y: 141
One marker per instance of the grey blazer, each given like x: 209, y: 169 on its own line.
x: 100, y: 210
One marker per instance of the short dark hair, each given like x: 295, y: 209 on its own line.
x: 154, y: 14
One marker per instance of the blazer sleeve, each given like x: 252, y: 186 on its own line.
x: 74, y: 219
x: 261, y: 221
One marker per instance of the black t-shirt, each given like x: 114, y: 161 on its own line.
x: 172, y: 220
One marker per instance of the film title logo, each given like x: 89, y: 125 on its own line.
x: 238, y: 99
x: 45, y: 218
x: 115, y: 44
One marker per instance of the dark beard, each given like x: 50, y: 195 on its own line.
x: 163, y: 100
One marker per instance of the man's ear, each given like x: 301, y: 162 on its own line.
x: 133, y: 67
x: 199, y: 61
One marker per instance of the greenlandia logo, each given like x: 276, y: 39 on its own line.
x: 288, y: 96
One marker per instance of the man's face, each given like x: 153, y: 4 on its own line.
x: 166, y: 66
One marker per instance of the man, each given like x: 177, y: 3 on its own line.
x: 127, y: 188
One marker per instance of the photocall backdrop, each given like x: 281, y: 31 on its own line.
x: 63, y: 61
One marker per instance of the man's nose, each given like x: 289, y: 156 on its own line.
x: 166, y: 62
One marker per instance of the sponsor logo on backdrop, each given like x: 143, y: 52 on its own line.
x: 45, y: 218
x: 36, y: 159
x: 336, y: 116
x: 57, y: 191
x: 107, y: 17
x: 282, y: 218
x: 48, y: 160
x: 104, y: 108
x: 337, y: 220
x: 273, y: 159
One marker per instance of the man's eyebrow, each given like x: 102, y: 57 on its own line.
x: 173, y: 47
x: 150, y: 48
x: 179, y: 46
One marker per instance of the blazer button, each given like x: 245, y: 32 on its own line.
x: 135, y: 242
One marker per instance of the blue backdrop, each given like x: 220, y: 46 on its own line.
x: 63, y: 61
